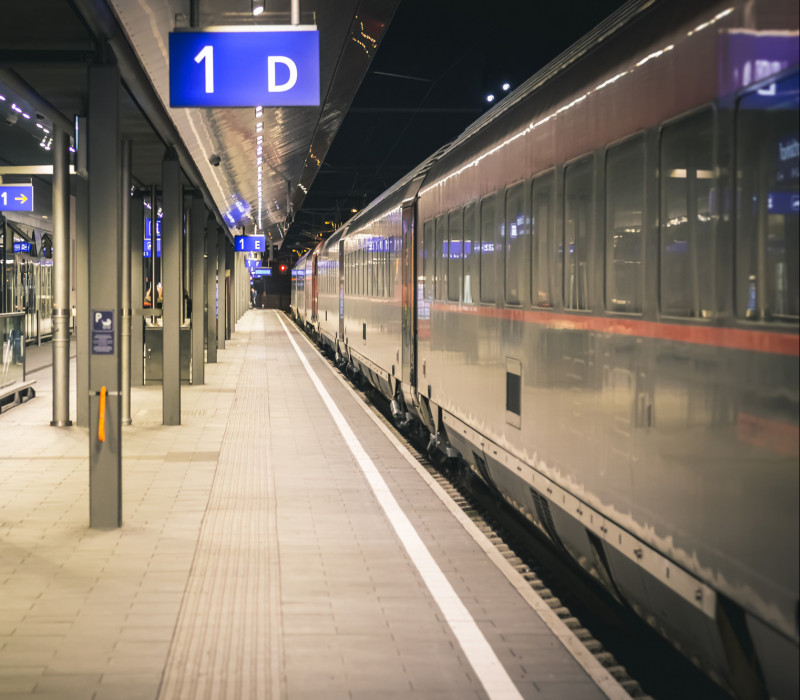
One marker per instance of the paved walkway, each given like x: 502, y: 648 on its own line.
x: 258, y: 558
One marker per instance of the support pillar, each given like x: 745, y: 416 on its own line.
x: 61, y: 264
x: 82, y: 321
x: 137, y: 288
x: 197, y: 231
x: 105, y: 426
x: 172, y: 285
x: 125, y: 317
x: 211, y: 289
x: 222, y: 244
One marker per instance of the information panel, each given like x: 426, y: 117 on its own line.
x: 262, y: 272
x: 250, y: 244
x: 252, y: 264
x: 270, y: 66
x: 16, y: 197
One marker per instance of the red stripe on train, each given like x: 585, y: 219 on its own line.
x: 734, y: 338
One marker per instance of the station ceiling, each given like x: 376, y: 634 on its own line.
x: 46, y: 48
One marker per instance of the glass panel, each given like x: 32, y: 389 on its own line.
x: 517, y: 237
x: 624, y: 225
x: 441, y: 257
x: 688, y: 212
x: 455, y: 255
x: 471, y: 257
x: 768, y: 175
x: 578, y: 229
x: 427, y: 258
x: 542, y: 239
x: 488, y: 276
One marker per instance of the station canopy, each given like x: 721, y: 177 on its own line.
x: 48, y: 46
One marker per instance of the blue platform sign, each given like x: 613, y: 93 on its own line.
x: 252, y: 264
x: 102, y: 332
x: 22, y: 247
x: 16, y: 197
x: 262, y: 272
x: 270, y: 66
x: 250, y: 244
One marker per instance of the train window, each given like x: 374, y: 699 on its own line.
x: 487, y: 254
x: 471, y: 260
x: 440, y: 273
x: 624, y: 225
x: 455, y: 259
x: 427, y: 259
x: 516, y: 253
x: 542, y: 239
x: 578, y: 228
x: 687, y: 217
x: 768, y: 203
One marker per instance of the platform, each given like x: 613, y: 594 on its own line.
x: 272, y: 547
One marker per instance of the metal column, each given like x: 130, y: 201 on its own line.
x: 82, y: 321
x: 222, y: 245
x: 105, y: 427
x: 138, y: 291
x: 125, y: 317
x: 211, y: 289
x: 61, y: 278
x: 197, y: 230
x: 172, y: 285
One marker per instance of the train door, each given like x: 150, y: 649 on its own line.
x: 314, y: 289
x: 341, y: 290
x: 409, y: 299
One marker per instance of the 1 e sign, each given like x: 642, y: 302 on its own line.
x: 254, y: 66
x: 249, y: 244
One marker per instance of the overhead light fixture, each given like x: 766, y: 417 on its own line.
x: 506, y: 87
x: 258, y: 7
x: 490, y: 98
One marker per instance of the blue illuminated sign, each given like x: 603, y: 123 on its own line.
x: 270, y: 66
x: 262, y: 272
x: 22, y: 247
x: 148, y: 243
x: 252, y: 264
x: 250, y: 244
x: 16, y: 197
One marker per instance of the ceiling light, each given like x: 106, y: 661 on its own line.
x: 506, y: 87
x: 258, y: 7
x: 490, y: 98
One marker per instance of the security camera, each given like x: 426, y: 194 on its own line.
x: 214, y: 159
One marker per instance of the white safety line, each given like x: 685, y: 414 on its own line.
x: 609, y: 685
x: 496, y: 681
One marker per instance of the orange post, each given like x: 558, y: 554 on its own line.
x: 101, y: 423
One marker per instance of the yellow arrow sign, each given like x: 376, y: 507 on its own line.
x: 21, y: 199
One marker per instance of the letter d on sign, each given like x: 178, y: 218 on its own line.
x: 272, y: 86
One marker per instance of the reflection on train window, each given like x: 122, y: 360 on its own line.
x: 440, y: 273
x: 688, y: 213
x: 471, y: 259
x: 427, y: 259
x: 488, y: 276
x: 578, y: 228
x: 768, y: 202
x: 541, y: 239
x: 624, y: 222
x: 516, y: 253
x: 455, y: 233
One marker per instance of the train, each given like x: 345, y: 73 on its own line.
x: 589, y: 298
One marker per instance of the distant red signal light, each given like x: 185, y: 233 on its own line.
x: 283, y: 268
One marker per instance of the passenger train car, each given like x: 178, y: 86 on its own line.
x: 591, y: 298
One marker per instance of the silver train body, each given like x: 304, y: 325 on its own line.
x: 591, y: 297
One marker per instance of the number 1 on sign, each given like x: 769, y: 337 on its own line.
x: 207, y: 55
x: 4, y: 196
